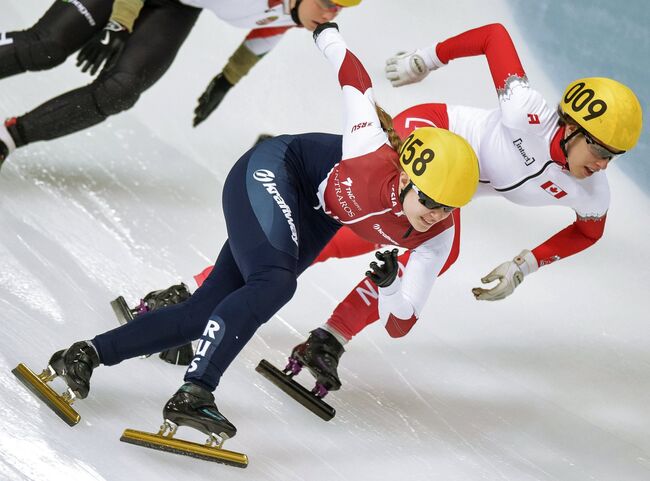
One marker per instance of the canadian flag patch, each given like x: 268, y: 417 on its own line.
x: 553, y: 189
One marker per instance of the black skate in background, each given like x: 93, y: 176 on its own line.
x: 320, y: 354
x: 175, y: 294
x: 284, y: 380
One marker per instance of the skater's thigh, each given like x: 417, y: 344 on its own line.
x: 223, y: 279
x: 72, y: 24
x: 158, y: 34
x: 261, y: 208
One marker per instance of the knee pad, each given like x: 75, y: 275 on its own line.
x: 39, y: 51
x: 116, y: 92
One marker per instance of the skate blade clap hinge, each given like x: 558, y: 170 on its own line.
x: 37, y: 384
x: 164, y: 441
x: 298, y: 392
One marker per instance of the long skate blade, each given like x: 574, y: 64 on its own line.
x: 315, y: 404
x: 186, y: 448
x: 121, y: 310
x: 46, y: 394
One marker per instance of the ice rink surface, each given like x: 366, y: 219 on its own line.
x: 552, y: 383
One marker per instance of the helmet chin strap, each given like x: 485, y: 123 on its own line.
x: 405, y: 191
x: 402, y: 195
x: 565, y: 141
x: 294, y: 13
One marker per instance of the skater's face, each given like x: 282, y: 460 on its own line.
x: 420, y: 217
x: 314, y: 12
x: 586, y: 155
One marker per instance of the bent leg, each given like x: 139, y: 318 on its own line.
x: 158, y: 33
x: 62, y: 30
x: 344, y: 244
x: 274, y: 236
x: 171, y: 326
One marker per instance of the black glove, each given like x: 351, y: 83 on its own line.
x: 211, y: 98
x: 323, y: 26
x: 384, y: 275
x: 107, y: 45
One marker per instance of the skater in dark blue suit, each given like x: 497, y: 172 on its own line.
x: 283, y: 201
x: 258, y: 265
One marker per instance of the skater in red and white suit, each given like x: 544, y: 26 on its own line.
x: 530, y: 152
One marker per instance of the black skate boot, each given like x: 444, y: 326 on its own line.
x: 191, y: 406
x: 7, y: 143
x: 320, y: 354
x: 75, y: 365
x: 4, y: 152
x: 175, y: 294
x: 194, y: 406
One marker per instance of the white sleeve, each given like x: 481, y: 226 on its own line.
x: 407, y: 296
x: 524, y: 108
x: 362, y: 131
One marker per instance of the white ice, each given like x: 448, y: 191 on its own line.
x: 551, y: 384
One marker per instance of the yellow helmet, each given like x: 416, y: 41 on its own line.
x: 442, y: 165
x: 606, y: 109
x: 347, y: 3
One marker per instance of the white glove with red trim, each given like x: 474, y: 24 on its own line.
x: 509, y: 275
x: 405, y: 68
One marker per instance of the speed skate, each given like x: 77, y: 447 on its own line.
x: 164, y: 440
x: 61, y: 404
x: 192, y: 406
x: 312, y: 400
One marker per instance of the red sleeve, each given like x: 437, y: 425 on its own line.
x: 353, y: 73
x: 575, y: 238
x: 494, y: 42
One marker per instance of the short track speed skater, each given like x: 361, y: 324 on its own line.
x: 194, y: 407
x: 320, y: 354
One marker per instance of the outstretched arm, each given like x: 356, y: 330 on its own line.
x: 362, y: 131
x: 257, y: 43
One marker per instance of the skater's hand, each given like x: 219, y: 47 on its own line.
x: 509, y: 275
x: 211, y: 98
x: 384, y: 275
x: 106, y: 46
x: 405, y: 68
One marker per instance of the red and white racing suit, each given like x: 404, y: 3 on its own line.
x: 520, y: 159
x: 362, y: 191
x: 269, y: 19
